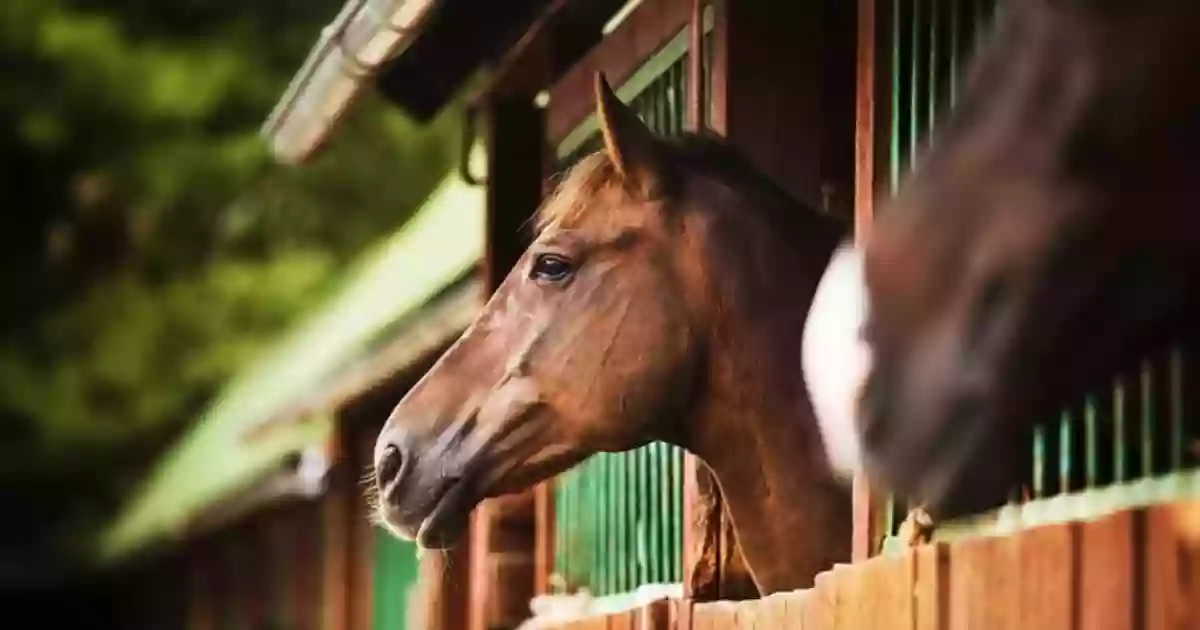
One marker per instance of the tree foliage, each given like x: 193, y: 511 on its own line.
x: 152, y: 247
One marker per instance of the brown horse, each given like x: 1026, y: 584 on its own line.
x: 1047, y: 238
x: 663, y: 299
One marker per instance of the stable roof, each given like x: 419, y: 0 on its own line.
x: 227, y: 454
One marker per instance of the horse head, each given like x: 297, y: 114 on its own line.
x: 663, y: 298
x: 1045, y: 239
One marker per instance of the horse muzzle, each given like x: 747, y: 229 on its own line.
x: 424, y: 496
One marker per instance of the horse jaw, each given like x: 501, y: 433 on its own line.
x: 835, y: 358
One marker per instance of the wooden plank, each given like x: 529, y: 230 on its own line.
x: 516, y: 133
x: 773, y: 613
x: 870, y: 105
x: 1107, y: 572
x: 996, y: 588
x: 698, y: 94
x: 774, y: 113
x: 820, y: 609
x: 852, y: 598
x: 1049, y: 561
x: 1171, y: 586
x: 360, y: 531
x: 659, y: 615
x: 307, y: 605
x: 201, y: 614
x: 646, y: 29
x: 864, y: 181
x: 718, y: 85
x: 752, y: 614
x: 543, y: 537
x: 887, y: 590
x: 718, y: 615
x: 794, y: 605
x: 621, y: 621
x: 681, y: 614
x: 335, y: 531
x: 931, y: 587
x: 479, y: 600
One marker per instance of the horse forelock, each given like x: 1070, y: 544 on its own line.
x: 571, y: 198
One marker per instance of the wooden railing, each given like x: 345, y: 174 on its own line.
x: 1132, y: 569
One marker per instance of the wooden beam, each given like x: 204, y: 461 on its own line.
x: 543, y: 553
x: 864, y: 533
x: 516, y: 127
x: 634, y: 41
x: 503, y: 540
x: 335, y: 561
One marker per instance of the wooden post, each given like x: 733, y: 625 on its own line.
x: 335, y: 543
x: 199, y: 565
x: 507, y: 560
x: 872, y: 111
x: 360, y: 448
x: 864, y: 533
x: 543, y: 553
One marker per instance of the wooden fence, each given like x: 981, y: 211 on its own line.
x: 1131, y: 569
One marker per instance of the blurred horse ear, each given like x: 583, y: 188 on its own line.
x: 632, y: 147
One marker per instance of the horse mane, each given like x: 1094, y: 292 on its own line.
x: 697, y: 153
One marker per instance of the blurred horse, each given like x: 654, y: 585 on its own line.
x: 1047, y: 238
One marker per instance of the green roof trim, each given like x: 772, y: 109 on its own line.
x: 437, y: 246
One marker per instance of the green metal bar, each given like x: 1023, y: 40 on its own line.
x: 1177, y: 408
x: 934, y: 17
x: 604, y: 513
x: 1065, y: 453
x: 1091, y: 447
x: 894, y: 144
x: 677, y: 517
x: 981, y: 16
x: 1039, y: 461
x: 652, y: 524
x: 1147, y: 420
x: 1119, y: 431
x: 643, y: 524
x: 664, y: 494
x: 914, y: 107
x: 630, y: 518
x: 560, y: 516
x: 955, y: 69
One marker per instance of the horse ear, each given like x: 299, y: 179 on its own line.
x: 629, y: 143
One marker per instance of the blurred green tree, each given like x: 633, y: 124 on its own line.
x: 151, y: 247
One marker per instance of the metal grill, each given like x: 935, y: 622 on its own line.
x: 619, y: 516
x: 1130, y: 444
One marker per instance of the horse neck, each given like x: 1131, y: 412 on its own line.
x: 754, y: 425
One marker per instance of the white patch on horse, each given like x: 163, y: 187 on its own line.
x: 835, y: 358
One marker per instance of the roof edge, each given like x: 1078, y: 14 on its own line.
x: 364, y: 35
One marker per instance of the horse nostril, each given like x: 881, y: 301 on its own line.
x: 390, y: 465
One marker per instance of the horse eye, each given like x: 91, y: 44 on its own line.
x: 550, y: 268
